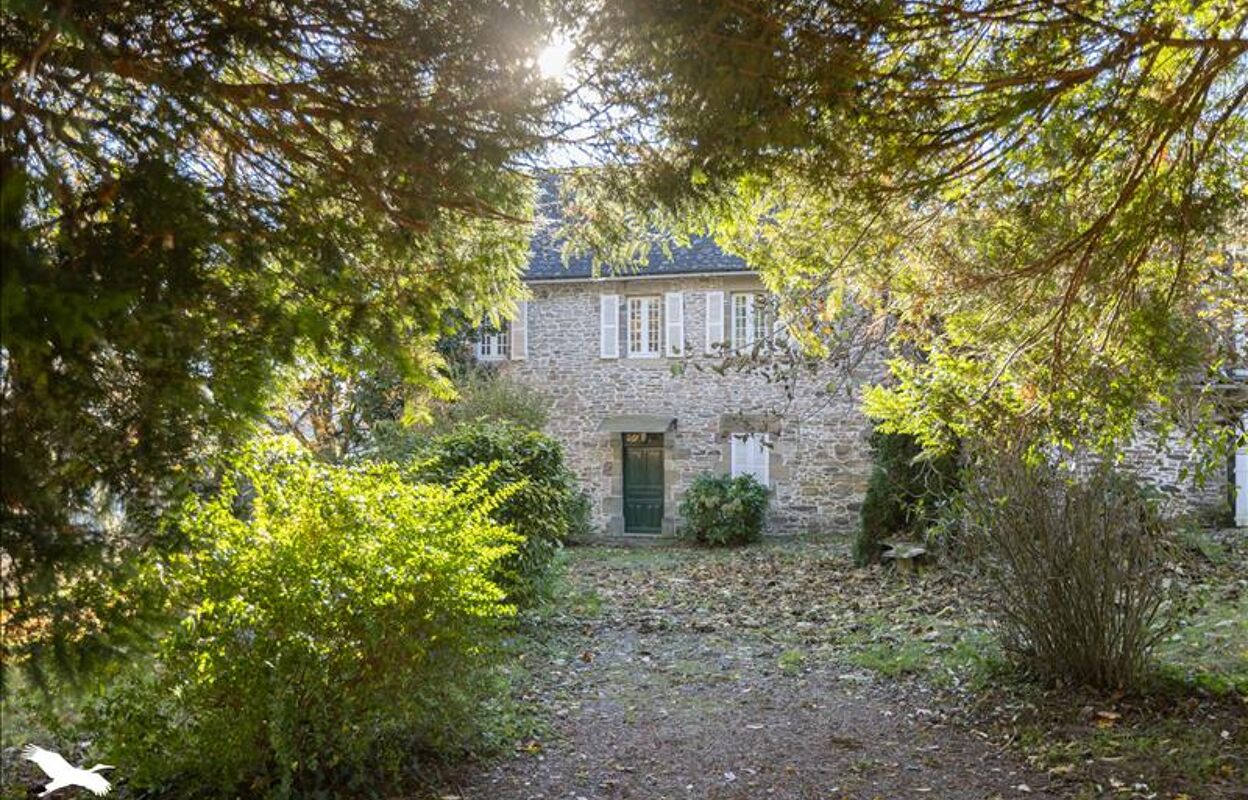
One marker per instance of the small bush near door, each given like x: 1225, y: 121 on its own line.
x: 719, y: 510
x: 1077, y: 568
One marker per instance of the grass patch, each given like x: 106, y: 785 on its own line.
x: 893, y: 659
x: 656, y: 557
x: 951, y: 650
x: 1167, y: 751
x: 1209, y: 648
x: 791, y: 662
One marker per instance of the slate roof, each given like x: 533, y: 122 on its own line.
x: 546, y: 257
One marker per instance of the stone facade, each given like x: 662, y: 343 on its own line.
x: 1194, y: 483
x: 818, y: 462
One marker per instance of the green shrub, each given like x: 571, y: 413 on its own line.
x: 1077, y: 568
x: 539, y: 505
x: 336, y: 623
x: 397, y: 442
x: 485, y: 395
x: 905, y: 493
x: 720, y: 510
x: 581, y: 517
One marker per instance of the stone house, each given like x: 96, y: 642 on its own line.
x: 628, y: 361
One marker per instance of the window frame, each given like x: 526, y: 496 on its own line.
x: 493, y: 344
x: 755, y: 322
x: 649, y: 327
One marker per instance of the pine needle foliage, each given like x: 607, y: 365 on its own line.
x: 196, y: 195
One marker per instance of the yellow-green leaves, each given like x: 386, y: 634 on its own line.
x: 327, y: 610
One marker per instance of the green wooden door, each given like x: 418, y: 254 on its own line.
x: 643, y: 482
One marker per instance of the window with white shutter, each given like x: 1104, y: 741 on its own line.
x: 520, y: 332
x: 675, y: 302
x: 1241, y: 480
x: 714, y: 322
x: 1239, y: 327
x: 609, y: 314
x: 750, y: 456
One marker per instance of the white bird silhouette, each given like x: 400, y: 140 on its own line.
x: 65, y: 774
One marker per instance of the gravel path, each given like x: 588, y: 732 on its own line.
x: 651, y: 702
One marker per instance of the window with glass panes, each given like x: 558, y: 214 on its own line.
x: 644, y: 326
x: 492, y: 343
x: 749, y: 319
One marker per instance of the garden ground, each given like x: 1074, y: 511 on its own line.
x: 781, y: 671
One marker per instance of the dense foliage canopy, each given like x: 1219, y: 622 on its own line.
x: 1033, y: 201
x: 1038, y: 197
x: 195, y: 194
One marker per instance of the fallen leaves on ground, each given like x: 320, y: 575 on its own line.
x: 811, y: 604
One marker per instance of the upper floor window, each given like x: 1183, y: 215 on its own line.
x: 749, y: 319
x: 644, y: 327
x: 492, y: 343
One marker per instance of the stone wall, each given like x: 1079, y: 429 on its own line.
x: 1195, y: 483
x: 819, y: 462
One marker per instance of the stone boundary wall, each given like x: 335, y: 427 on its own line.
x: 1195, y: 484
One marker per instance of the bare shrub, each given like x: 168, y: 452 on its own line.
x: 1076, y: 565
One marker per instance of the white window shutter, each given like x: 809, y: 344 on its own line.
x: 737, y: 456
x: 675, y: 302
x: 1241, y: 487
x: 750, y: 455
x: 1241, y: 480
x: 780, y: 335
x: 520, y: 332
x: 714, y: 321
x: 609, y: 312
